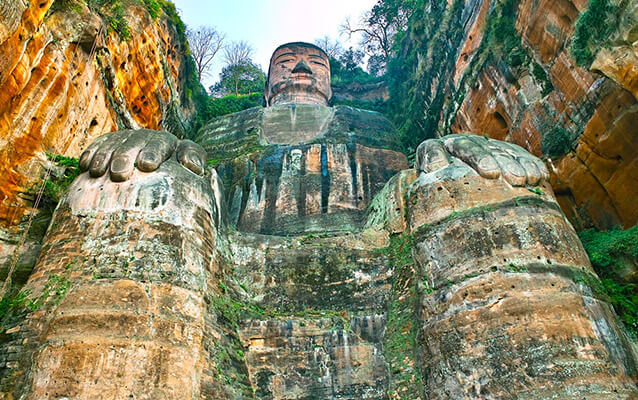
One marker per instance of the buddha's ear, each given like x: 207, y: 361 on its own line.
x: 267, y: 90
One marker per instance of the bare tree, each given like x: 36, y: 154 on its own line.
x: 205, y: 43
x: 332, y: 47
x: 378, y: 27
x: 238, y: 53
x: 376, y: 36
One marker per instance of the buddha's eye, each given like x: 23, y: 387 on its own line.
x: 284, y: 61
x: 318, y: 63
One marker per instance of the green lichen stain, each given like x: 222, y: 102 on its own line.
x: 399, y: 342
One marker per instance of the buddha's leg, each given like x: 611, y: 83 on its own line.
x: 118, y: 307
x: 510, y: 307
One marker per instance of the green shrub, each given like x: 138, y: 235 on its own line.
x: 61, y: 5
x: 11, y: 303
x: 542, y: 79
x: 378, y: 105
x: 342, y: 75
x: 231, y: 104
x: 610, y: 253
x: 502, y: 38
x: 557, y: 141
x: 593, y: 28
x: 154, y: 8
x: 116, y: 21
x: 56, y: 187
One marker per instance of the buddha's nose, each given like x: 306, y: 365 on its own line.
x: 302, y: 67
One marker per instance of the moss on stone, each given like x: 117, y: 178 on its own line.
x: 594, y: 27
x: 557, y: 141
x: 482, y: 210
x: 400, y: 339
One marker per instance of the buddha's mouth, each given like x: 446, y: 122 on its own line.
x: 302, y: 77
x: 297, y: 84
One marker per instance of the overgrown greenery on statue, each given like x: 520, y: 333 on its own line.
x: 231, y: 103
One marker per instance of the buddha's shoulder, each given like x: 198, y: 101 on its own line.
x: 363, y: 126
x: 228, y: 127
x: 299, y: 124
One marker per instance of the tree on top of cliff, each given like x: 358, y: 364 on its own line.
x: 238, y: 53
x: 205, y: 42
x: 346, y: 69
x: 240, y: 75
x: 332, y: 47
x: 378, y: 27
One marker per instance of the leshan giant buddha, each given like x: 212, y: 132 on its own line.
x: 312, y: 263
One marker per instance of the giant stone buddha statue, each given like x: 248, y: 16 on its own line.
x: 153, y: 263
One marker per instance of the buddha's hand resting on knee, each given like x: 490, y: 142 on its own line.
x: 122, y: 151
x: 488, y: 157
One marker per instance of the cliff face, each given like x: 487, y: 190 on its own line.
x: 66, y: 78
x: 505, y: 69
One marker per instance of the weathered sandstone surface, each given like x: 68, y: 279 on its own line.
x: 310, y: 262
x: 301, y: 168
x: 451, y: 286
x: 65, y: 79
x: 593, y: 107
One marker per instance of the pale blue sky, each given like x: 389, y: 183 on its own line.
x: 266, y: 24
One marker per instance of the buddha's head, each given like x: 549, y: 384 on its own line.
x: 299, y: 73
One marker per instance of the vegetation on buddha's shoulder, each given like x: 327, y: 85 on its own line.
x: 378, y: 105
x: 218, y: 106
x: 614, y: 255
x: 593, y: 29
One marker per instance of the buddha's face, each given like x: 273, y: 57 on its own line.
x: 298, y: 74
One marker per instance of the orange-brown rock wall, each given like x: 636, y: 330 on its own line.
x: 596, y: 181
x: 65, y: 79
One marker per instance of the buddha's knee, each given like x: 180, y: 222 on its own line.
x: 168, y: 217
x: 511, y: 305
x: 118, y: 291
